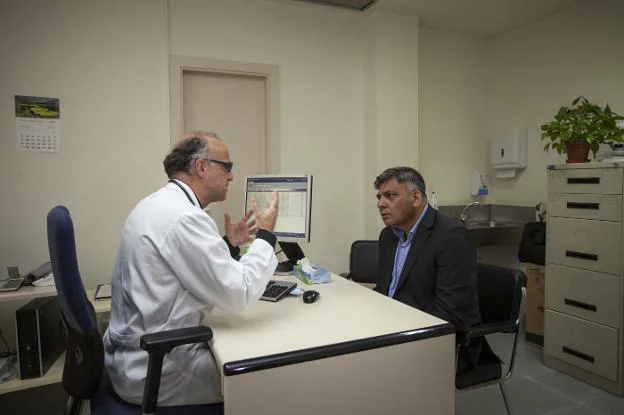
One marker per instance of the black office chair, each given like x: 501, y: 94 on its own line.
x: 502, y: 294
x: 363, y: 262
x: 84, y: 376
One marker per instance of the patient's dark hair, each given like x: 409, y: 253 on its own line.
x: 191, y: 147
x: 407, y: 175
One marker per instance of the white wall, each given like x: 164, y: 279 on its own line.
x: 452, y: 101
x: 391, y: 102
x: 533, y: 71
x: 319, y: 53
x: 106, y: 62
x: 335, y: 67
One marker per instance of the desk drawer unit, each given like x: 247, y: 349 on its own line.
x: 590, y: 346
x: 586, y: 294
x: 588, y: 244
x: 599, y: 181
x: 586, y: 206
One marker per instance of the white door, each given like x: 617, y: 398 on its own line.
x: 234, y: 107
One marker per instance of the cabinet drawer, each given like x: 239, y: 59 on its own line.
x: 582, y: 243
x: 605, y: 181
x: 586, y: 206
x: 586, y: 294
x: 584, y: 344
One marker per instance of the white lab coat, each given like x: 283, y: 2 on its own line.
x: 172, y: 268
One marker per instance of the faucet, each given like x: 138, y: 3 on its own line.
x: 463, y: 215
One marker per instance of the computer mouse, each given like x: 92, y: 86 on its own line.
x: 310, y: 296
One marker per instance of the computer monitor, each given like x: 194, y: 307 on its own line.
x: 295, y: 208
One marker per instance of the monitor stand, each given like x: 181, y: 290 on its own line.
x: 285, y: 267
x: 293, y: 252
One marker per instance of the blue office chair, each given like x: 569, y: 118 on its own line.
x: 84, y: 376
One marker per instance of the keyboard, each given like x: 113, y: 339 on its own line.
x: 276, y: 290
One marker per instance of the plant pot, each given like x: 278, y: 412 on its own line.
x: 577, y: 152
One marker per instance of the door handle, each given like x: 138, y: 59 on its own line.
x: 583, y: 180
x: 580, y: 304
x: 583, y: 205
x: 581, y: 255
x: 578, y: 354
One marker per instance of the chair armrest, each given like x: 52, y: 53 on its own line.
x: 164, y: 341
x: 159, y: 344
x: 485, y: 329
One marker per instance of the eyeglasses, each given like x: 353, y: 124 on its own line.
x: 227, y: 165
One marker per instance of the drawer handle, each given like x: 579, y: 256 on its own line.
x: 578, y: 354
x: 581, y: 205
x: 580, y: 304
x: 581, y: 255
x: 584, y: 180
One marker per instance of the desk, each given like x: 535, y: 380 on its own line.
x: 54, y: 374
x: 354, y: 351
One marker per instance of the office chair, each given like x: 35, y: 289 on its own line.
x: 363, y: 262
x: 84, y: 376
x: 501, y: 294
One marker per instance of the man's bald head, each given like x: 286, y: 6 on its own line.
x: 190, y: 147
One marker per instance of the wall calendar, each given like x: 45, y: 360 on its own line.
x: 38, y: 123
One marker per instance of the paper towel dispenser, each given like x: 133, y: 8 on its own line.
x: 508, y: 151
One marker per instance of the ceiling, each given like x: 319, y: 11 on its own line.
x: 483, y: 18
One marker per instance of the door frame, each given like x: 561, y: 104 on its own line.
x: 270, y: 73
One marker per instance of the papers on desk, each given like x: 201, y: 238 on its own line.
x: 45, y: 281
x: 102, y: 292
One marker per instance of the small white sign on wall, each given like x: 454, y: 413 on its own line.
x: 37, y: 124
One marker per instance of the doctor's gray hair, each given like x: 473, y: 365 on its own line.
x: 412, y: 179
x: 190, y: 147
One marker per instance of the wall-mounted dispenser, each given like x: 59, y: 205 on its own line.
x: 508, y: 151
x: 479, y: 183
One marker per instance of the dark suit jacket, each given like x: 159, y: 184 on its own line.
x: 440, y: 272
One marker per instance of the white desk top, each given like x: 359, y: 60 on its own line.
x: 30, y: 292
x: 27, y: 292
x: 344, y: 312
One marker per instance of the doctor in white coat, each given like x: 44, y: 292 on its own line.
x: 173, y: 267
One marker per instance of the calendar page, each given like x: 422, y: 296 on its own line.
x: 37, y: 124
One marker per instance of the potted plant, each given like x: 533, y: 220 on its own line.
x: 581, y: 128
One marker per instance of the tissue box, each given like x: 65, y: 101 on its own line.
x: 318, y: 276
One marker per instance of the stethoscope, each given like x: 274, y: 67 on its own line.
x: 185, y: 192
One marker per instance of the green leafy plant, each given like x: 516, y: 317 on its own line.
x: 583, y: 122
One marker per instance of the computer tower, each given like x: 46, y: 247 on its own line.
x: 40, y: 339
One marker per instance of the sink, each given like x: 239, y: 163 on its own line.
x: 490, y: 233
x: 489, y: 224
x: 492, y: 224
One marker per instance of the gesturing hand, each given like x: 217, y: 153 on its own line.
x: 266, y: 217
x: 239, y: 233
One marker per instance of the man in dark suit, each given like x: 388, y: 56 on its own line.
x: 425, y: 258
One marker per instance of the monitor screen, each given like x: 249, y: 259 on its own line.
x: 295, y: 197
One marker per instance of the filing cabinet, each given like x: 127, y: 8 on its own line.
x: 583, y: 321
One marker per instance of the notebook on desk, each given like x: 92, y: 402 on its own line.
x: 102, y: 292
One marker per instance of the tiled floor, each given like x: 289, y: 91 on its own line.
x: 535, y: 389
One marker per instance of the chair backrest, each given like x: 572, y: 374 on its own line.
x: 84, y: 353
x: 364, y: 261
x: 500, y: 293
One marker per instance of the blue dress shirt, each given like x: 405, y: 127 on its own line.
x: 403, y: 247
